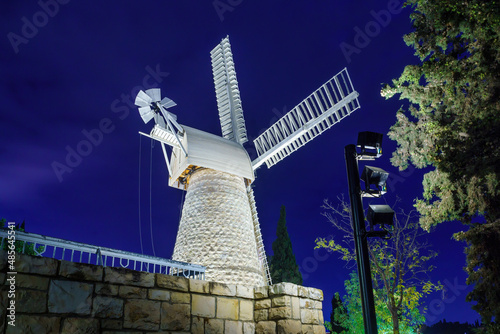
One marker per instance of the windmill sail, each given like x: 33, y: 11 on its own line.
x: 321, y: 110
x: 227, y: 93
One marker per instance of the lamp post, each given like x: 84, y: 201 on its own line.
x: 360, y: 240
x: 370, y: 144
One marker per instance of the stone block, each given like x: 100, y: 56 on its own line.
x: 244, y: 291
x: 197, y: 325
x: 128, y: 277
x: 172, y: 282
x: 175, y: 317
x: 289, y: 326
x: 31, y: 301
x: 235, y: 327
x: 80, y: 271
x: 320, y: 317
x: 316, y: 294
x: 281, y: 301
x: 248, y: 328
x: 214, y: 326
x: 199, y: 286
x: 227, y: 308
x: 107, y: 307
x: 261, y: 292
x: 246, y: 310
x: 158, y: 294
x: 180, y: 297
x: 295, y: 307
x: 311, y: 293
x: 263, y: 303
x: 283, y: 312
x: 319, y: 329
x: 81, y: 326
x: 261, y: 315
x: 222, y: 289
x: 203, y: 306
x: 283, y: 289
x: 303, y: 292
x: 70, y: 297
x: 310, y: 303
x: 32, y: 281
x: 132, y: 292
x: 36, y: 265
x: 142, y: 314
x: 309, y: 316
x: 307, y: 329
x: 111, y: 323
x: 265, y: 327
x: 106, y: 289
x: 28, y: 323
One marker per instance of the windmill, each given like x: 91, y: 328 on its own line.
x: 219, y: 226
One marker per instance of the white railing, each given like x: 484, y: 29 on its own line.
x: 40, y: 245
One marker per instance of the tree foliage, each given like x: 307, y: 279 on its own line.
x: 351, y: 321
x: 282, y: 264
x: 400, y: 267
x: 452, y: 124
x: 339, y: 316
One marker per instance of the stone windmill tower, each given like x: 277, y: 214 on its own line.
x: 219, y: 227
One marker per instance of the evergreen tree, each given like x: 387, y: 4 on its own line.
x: 338, y: 316
x: 283, y: 266
x: 452, y: 124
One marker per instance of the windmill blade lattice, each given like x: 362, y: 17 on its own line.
x: 325, y: 107
x: 227, y: 93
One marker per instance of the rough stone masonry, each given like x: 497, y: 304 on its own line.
x: 216, y: 229
x: 55, y: 296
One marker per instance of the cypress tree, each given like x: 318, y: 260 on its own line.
x: 339, y: 316
x: 283, y: 265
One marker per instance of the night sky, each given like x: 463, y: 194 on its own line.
x: 74, y: 71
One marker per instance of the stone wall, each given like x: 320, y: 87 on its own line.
x: 63, y: 297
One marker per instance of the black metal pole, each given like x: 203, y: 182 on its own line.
x: 362, y: 257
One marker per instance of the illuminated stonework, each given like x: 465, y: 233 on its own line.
x: 216, y: 229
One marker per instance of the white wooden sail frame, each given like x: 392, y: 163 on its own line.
x: 325, y: 107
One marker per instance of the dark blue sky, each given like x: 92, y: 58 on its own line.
x: 68, y: 68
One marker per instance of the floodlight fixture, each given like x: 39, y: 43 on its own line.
x: 370, y: 144
x: 374, y: 176
x: 380, y: 214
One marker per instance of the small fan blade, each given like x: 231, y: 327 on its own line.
x: 142, y: 99
x: 144, y: 110
x: 167, y: 103
x: 146, y: 114
x: 154, y: 93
